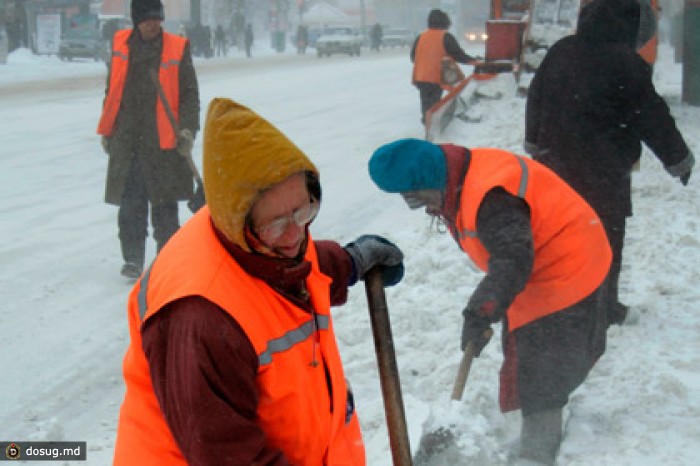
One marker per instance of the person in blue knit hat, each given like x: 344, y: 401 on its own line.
x: 546, y: 259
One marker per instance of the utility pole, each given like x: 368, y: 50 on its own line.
x: 363, y: 21
x: 691, y: 52
x: 196, y: 12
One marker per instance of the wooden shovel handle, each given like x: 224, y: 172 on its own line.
x: 388, y: 370
x: 465, y: 365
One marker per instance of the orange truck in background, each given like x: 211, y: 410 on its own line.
x: 523, y: 30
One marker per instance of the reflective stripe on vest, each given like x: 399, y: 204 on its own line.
x: 168, y: 75
x: 572, y: 253
x: 277, y: 345
x: 293, y: 337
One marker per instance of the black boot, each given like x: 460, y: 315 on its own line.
x: 134, y: 252
x: 617, y: 313
x: 131, y: 270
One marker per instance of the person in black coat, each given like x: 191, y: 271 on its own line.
x: 590, y: 105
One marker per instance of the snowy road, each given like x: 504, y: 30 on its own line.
x: 62, y: 318
x: 63, y: 314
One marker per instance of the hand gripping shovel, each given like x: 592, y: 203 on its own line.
x: 388, y: 370
x: 438, y: 446
x: 197, y: 200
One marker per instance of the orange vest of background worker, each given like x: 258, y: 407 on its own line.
x: 430, y: 50
x: 564, y: 271
x: 304, y: 408
x: 168, y: 75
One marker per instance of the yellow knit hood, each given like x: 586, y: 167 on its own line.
x: 243, y: 155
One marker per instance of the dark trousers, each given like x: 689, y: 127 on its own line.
x: 546, y: 360
x: 615, y: 226
x: 132, y: 218
x: 430, y: 94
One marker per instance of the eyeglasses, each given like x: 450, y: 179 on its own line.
x: 413, y: 200
x: 276, y: 228
x: 431, y: 199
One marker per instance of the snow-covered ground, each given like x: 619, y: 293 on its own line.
x: 63, y: 327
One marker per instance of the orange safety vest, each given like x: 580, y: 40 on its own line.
x: 298, y: 411
x: 649, y: 50
x: 572, y: 253
x: 428, y: 57
x: 168, y: 75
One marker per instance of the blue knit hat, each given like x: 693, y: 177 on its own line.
x: 408, y: 165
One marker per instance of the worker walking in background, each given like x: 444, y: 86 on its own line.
x: 428, y: 50
x: 148, y: 160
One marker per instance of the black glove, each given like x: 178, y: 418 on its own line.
x: 105, y: 144
x: 531, y: 148
x: 370, y: 250
x: 476, y: 330
x: 685, y: 177
x: 197, y: 200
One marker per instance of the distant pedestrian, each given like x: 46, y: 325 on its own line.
x: 249, y: 38
x: 220, y: 41
x: 375, y: 37
x: 302, y: 39
x: 148, y: 159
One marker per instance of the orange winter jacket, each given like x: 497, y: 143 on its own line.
x: 304, y: 408
x: 572, y: 253
x: 428, y: 58
x: 168, y: 75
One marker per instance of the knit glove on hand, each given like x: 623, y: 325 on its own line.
x: 105, y: 144
x: 485, y: 307
x: 370, y: 250
x: 488, y: 300
x: 185, y: 142
x: 683, y: 169
x: 475, y: 330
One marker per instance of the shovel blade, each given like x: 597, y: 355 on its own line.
x: 439, y: 448
x: 432, y: 444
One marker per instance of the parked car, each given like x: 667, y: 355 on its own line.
x: 81, y: 38
x: 81, y: 44
x: 397, y: 37
x: 339, y: 39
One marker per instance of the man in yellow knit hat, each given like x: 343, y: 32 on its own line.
x: 233, y: 358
